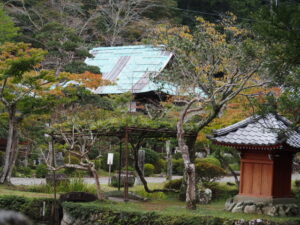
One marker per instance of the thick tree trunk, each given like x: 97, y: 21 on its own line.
x: 9, y: 152
x: 191, y: 197
x: 189, y: 167
x: 14, y: 155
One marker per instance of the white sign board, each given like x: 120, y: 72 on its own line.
x: 110, y: 158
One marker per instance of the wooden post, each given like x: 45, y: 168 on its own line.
x: 169, y: 161
x: 120, y: 165
x: 126, y: 165
x: 54, y: 207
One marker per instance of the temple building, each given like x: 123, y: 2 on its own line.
x: 130, y: 69
x: 267, y: 146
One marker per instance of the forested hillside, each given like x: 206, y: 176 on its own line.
x: 221, y: 61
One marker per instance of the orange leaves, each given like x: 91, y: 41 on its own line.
x: 88, y: 79
x: 15, y: 51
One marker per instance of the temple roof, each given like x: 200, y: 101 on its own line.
x: 269, y: 130
x: 129, y: 68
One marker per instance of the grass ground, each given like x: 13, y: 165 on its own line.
x: 7, y: 190
x: 161, y: 203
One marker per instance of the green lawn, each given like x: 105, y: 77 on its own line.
x: 6, y: 190
x: 161, y: 203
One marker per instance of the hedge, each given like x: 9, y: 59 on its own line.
x: 108, y: 216
x: 104, y: 215
x: 31, y: 207
x: 98, y: 214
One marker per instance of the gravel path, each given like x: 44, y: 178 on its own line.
x: 104, y: 180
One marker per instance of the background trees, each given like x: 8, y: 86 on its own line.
x: 7, y: 28
x: 23, y: 88
x: 211, y: 66
x: 278, y: 29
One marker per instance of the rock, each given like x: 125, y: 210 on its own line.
x: 205, y: 196
x: 259, y: 208
x: 239, y: 207
x: 67, y: 219
x: 281, y: 210
x: 240, y: 222
x: 256, y: 222
x: 292, y: 210
x: 248, y: 203
x: 78, y: 197
x: 270, y: 210
x: 250, y: 209
x: 229, y: 204
x: 115, y: 179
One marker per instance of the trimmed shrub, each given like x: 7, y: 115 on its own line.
x: 174, y: 184
x: 24, y: 171
x: 151, y: 156
x: 178, y: 166
x: 155, y: 195
x: 223, y: 191
x: 41, y: 171
x: 97, y: 214
x: 207, y: 173
x: 160, y: 166
x: 210, y: 159
x: 148, y: 169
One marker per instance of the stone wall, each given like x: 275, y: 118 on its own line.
x: 270, y: 209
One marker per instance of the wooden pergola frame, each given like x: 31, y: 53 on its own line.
x: 124, y: 133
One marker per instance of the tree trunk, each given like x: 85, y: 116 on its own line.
x: 233, y: 173
x: 96, y: 177
x: 14, y: 155
x: 189, y: 167
x: 169, y: 161
x: 191, y: 197
x: 143, y: 180
x: 9, y: 154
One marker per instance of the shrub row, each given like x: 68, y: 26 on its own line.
x: 108, y: 216
x: 97, y: 214
x: 31, y: 207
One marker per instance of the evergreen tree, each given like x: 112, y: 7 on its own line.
x: 8, y: 31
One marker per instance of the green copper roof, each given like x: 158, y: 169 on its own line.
x: 129, y: 68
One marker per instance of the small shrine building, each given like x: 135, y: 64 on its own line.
x: 267, y: 146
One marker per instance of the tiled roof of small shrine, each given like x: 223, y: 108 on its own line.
x: 259, y: 131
